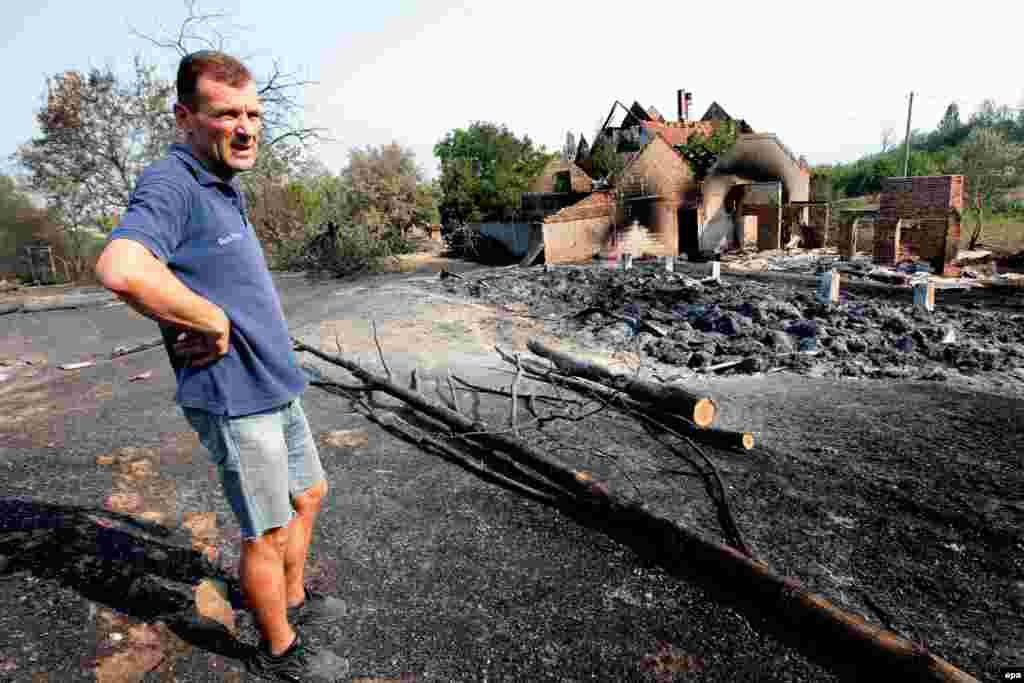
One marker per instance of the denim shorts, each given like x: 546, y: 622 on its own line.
x: 264, y: 459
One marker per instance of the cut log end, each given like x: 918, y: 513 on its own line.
x: 704, y: 411
x: 748, y: 441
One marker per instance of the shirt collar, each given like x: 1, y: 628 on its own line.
x: 184, y: 152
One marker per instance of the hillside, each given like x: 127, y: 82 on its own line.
x: 936, y: 152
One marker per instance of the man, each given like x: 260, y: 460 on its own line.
x: 186, y: 256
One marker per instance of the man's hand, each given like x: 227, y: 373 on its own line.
x: 198, y: 349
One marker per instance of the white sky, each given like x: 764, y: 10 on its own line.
x: 825, y: 77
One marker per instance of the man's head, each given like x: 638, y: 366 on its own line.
x: 219, y: 111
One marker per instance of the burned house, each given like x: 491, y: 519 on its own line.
x: 656, y: 205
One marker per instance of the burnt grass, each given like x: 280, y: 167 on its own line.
x: 879, y: 479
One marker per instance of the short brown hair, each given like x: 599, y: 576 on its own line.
x: 218, y: 66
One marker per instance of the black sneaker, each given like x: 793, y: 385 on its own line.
x: 317, y: 608
x: 298, y: 664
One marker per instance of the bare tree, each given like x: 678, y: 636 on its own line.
x: 279, y: 90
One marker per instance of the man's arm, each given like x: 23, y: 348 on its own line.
x: 128, y: 269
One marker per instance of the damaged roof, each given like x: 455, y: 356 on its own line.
x: 716, y: 113
x: 678, y: 134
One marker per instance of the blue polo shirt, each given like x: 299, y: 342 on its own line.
x: 195, y: 223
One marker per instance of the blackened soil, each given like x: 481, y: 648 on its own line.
x: 897, y: 497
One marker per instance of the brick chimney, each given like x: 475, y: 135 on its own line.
x: 683, y: 100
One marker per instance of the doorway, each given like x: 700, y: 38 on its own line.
x: 689, y: 240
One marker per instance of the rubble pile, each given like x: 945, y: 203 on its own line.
x: 746, y: 326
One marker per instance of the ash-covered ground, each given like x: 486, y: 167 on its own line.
x: 897, y: 500
x: 764, y: 325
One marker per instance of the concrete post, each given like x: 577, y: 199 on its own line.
x: 716, y: 271
x: 627, y: 261
x: 670, y: 263
x: 924, y: 296
x: 828, y: 287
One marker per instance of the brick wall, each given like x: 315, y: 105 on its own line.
x: 666, y: 228
x: 576, y: 240
x: 538, y: 206
x: 768, y: 236
x: 919, y: 219
x: 818, y: 217
x: 658, y: 170
x: 593, y: 206
x: 749, y: 231
x: 638, y: 240
x: 579, y: 180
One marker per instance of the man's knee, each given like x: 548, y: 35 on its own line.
x: 272, y: 543
x: 310, y: 499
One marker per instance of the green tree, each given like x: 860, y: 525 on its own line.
x: 312, y: 218
x: 19, y: 223
x: 702, y: 151
x: 13, y: 207
x: 386, y: 187
x: 990, y: 165
x: 605, y: 159
x: 950, y: 122
x: 484, y: 171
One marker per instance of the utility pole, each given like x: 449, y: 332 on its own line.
x: 906, y: 160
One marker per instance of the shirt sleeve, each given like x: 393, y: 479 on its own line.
x: 156, y: 217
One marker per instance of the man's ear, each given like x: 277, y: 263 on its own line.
x: 182, y: 117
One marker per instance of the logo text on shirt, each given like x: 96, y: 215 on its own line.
x: 228, y: 239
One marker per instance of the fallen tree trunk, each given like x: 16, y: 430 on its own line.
x: 668, y: 398
x: 824, y: 630
x: 719, y: 438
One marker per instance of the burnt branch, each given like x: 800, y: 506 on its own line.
x: 380, y: 351
x: 513, y: 418
x: 190, y: 30
x: 502, y: 392
x: 455, y: 396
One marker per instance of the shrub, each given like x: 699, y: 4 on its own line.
x: 343, y: 249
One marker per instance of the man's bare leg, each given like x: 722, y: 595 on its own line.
x: 300, y: 534
x: 262, y: 576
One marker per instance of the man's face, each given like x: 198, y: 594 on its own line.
x: 224, y: 132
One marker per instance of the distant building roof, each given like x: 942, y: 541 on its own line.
x: 583, y: 149
x: 716, y: 113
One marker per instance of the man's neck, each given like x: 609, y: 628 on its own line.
x: 223, y: 172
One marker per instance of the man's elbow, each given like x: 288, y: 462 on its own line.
x: 108, y: 274
x: 120, y: 263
